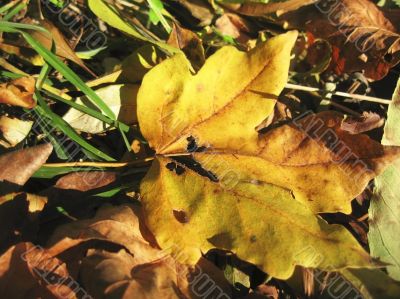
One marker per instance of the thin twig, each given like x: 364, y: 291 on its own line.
x: 99, y: 164
x: 110, y: 164
x: 362, y: 218
x: 339, y: 93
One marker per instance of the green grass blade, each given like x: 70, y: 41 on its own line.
x: 14, y: 27
x: 156, y: 6
x: 57, y: 64
x: 113, y: 17
x: 58, y: 148
x: 87, y: 110
x: 45, y: 172
x: 6, y: 7
x: 15, y: 10
x: 70, y: 132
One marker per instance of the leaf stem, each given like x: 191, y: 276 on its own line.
x: 99, y: 164
x: 339, y: 93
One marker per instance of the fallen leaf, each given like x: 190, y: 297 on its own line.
x: 367, y: 122
x: 199, y: 9
x: 238, y: 176
x: 120, y: 98
x: 266, y: 291
x: 370, y: 283
x: 85, y: 181
x: 348, y: 283
x: 29, y: 271
x: 18, y: 92
x: 18, y: 166
x: 62, y: 48
x: 384, y: 208
x: 315, y: 146
x: 204, y: 215
x: 141, y: 269
x: 361, y: 37
x: 189, y: 43
x: 13, y: 130
x: 24, y: 53
x: 166, y: 114
x: 234, y: 26
x: 260, y: 9
x: 19, y: 217
x: 136, y: 65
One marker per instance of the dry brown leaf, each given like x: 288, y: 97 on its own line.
x: 199, y: 9
x: 189, y: 43
x: 367, y: 122
x: 24, y: 53
x: 264, y: 291
x: 28, y: 271
x: 233, y: 25
x: 13, y: 130
x: 18, y: 166
x: 362, y: 38
x: 18, y: 92
x: 393, y: 15
x: 18, y: 217
x: 85, y: 181
x: 260, y: 9
x: 63, y: 49
x: 140, y: 270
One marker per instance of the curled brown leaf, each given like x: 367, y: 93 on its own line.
x: 18, y: 92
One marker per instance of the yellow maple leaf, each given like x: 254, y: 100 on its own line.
x: 249, y: 193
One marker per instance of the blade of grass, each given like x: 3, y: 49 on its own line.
x: 5, y: 26
x: 126, y: 141
x: 10, y: 75
x: 58, y: 148
x: 57, y: 64
x: 15, y: 10
x: 156, y: 6
x: 113, y: 17
x: 86, y: 110
x: 9, y: 67
x: 44, y: 73
x: 8, y: 6
x: 61, y: 152
x: 45, y: 172
x: 64, y: 127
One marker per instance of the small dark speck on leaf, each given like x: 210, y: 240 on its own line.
x: 193, y: 146
x: 172, y: 166
x: 253, y: 239
x: 181, y: 216
x: 388, y: 57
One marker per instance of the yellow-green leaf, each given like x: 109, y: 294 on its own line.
x: 261, y: 223
x: 114, y: 18
x: 232, y: 93
x: 250, y: 193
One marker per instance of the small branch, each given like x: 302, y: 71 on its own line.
x: 99, y: 164
x: 109, y: 164
x: 362, y: 218
x: 339, y: 93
